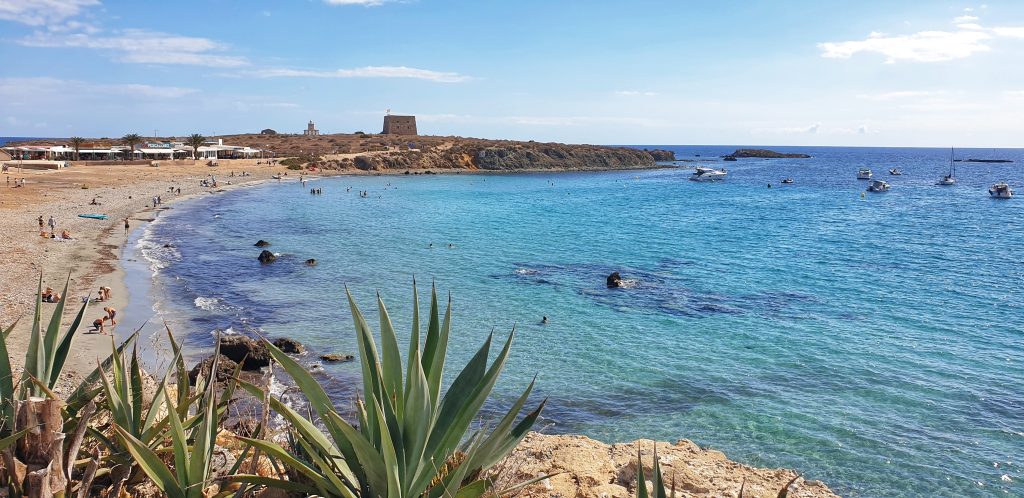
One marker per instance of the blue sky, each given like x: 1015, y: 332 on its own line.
x: 885, y: 73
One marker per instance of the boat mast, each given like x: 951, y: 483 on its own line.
x: 952, y: 171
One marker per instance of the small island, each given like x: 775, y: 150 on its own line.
x: 765, y: 154
x: 984, y: 160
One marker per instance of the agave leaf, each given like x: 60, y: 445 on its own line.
x: 451, y: 482
x: 34, y: 355
x: 369, y: 459
x: 419, y: 413
x: 391, y: 361
x: 13, y: 438
x: 179, y: 442
x: 275, y: 451
x: 151, y: 464
x: 6, y: 384
x: 314, y: 393
x: 475, y: 489
x: 461, y: 391
x: 393, y: 470
x: 270, y: 482
x: 370, y: 363
x: 60, y: 356
x: 327, y: 469
x: 53, y: 332
x: 414, y: 337
x: 503, y: 438
x: 641, y: 481
x: 85, y: 392
x: 659, y: 482
x: 135, y: 372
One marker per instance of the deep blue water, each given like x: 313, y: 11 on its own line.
x: 874, y: 342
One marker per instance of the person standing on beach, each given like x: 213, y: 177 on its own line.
x: 126, y: 226
x: 41, y: 225
x: 53, y: 224
x: 111, y: 313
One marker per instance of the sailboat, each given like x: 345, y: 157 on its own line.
x: 949, y: 179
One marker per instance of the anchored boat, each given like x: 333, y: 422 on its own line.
x: 1000, y: 191
x: 878, y: 186
x: 864, y: 174
x: 702, y: 174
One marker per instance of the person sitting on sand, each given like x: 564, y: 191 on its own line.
x: 101, y: 296
x: 94, y: 203
x: 111, y: 314
x: 65, y: 234
x: 50, y: 295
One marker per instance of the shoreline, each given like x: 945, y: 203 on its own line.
x: 100, y: 254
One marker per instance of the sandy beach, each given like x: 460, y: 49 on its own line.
x: 91, y: 257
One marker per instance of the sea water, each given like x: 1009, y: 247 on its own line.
x: 873, y: 341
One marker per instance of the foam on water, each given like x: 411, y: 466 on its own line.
x: 874, y: 343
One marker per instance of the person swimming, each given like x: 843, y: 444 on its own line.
x: 544, y: 320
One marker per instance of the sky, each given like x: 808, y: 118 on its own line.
x: 820, y: 72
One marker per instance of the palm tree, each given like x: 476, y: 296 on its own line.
x: 195, y: 141
x: 76, y: 143
x: 131, y: 140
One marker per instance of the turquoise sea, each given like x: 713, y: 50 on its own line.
x: 873, y: 342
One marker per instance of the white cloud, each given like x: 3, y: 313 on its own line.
x: 863, y: 129
x: 22, y: 90
x: 789, y: 130
x: 925, y: 46
x: 145, y: 47
x: 365, y: 72
x: 42, y: 12
x: 633, y: 93
x: 1009, y: 32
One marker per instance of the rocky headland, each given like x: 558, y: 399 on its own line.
x: 766, y: 154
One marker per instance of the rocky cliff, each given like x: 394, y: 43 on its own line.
x: 506, y: 156
x: 591, y: 469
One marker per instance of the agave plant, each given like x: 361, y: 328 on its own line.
x: 411, y: 440
x: 192, y: 441
x: 44, y: 360
x: 659, y: 482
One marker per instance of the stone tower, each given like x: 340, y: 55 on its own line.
x: 399, y: 125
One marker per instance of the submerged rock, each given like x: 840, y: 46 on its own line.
x: 290, y: 346
x: 335, y: 357
x: 266, y: 257
x: 261, y: 243
x: 614, y: 280
x: 225, y: 369
x: 311, y: 262
x: 252, y: 354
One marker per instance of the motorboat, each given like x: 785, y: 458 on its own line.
x: 1000, y: 191
x: 895, y: 172
x: 949, y: 179
x: 878, y: 186
x: 787, y: 181
x: 702, y: 174
x: 864, y: 174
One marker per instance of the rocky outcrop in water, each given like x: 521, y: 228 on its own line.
x: 766, y: 154
x: 662, y: 155
x: 261, y: 243
x: 266, y: 257
x: 290, y: 346
x: 252, y: 354
x: 591, y: 469
x: 614, y: 280
x: 336, y: 357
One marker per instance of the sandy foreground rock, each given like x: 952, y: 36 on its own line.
x: 592, y: 469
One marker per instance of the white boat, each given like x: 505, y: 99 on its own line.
x: 895, y: 172
x: 949, y: 179
x: 702, y: 174
x: 864, y: 174
x: 1001, y: 191
x: 878, y: 186
x: 787, y: 181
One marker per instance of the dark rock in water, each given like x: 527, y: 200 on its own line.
x: 252, y: 354
x: 984, y: 160
x: 311, y: 262
x: 290, y: 346
x: 225, y: 369
x: 765, y: 153
x: 729, y: 158
x: 614, y: 280
x: 334, y: 357
x: 266, y: 256
x: 261, y: 243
